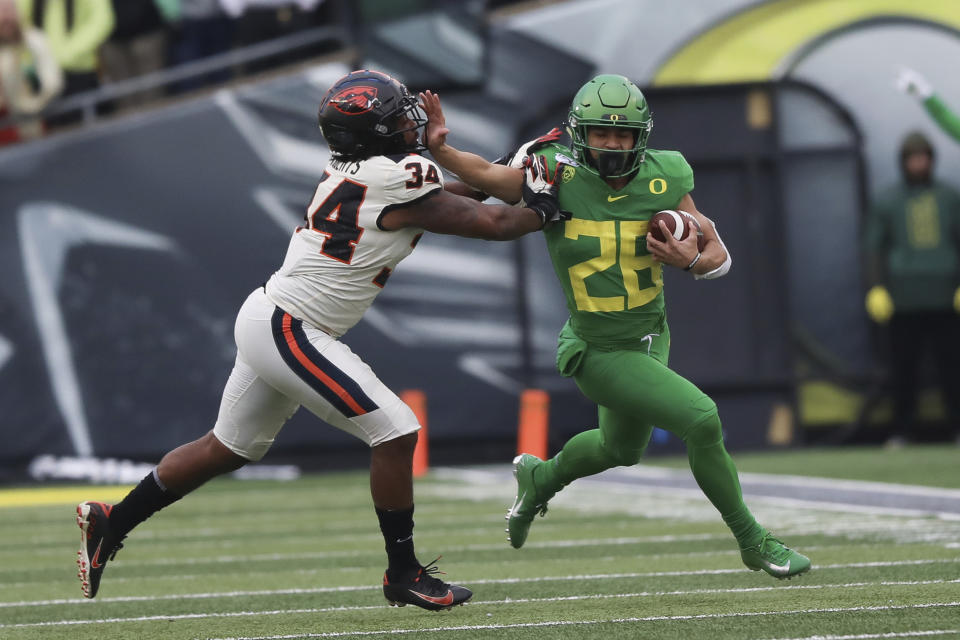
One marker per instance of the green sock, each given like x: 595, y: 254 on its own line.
x: 717, y: 477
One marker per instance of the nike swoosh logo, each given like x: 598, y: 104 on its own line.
x: 407, y: 539
x: 777, y: 567
x: 96, y: 556
x: 444, y: 601
x: 517, y: 504
x: 615, y: 198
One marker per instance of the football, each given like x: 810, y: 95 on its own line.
x: 676, y: 224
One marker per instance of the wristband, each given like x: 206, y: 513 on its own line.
x: 541, y: 213
x: 693, y: 262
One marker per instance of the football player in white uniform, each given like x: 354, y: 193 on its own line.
x: 375, y: 199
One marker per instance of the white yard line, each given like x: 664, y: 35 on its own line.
x: 277, y: 612
x: 275, y: 592
x: 867, y: 636
x: 600, y: 576
x: 877, y: 636
x: 563, y: 623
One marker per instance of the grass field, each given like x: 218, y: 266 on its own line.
x: 302, y: 559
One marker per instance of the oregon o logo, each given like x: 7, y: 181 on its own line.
x: 568, y: 173
x: 658, y: 186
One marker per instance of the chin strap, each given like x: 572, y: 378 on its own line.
x: 723, y: 268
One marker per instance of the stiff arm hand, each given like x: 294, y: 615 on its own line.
x: 496, y: 180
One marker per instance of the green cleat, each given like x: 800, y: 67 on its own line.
x: 776, y: 559
x: 528, y: 502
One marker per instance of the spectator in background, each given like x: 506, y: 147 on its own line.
x: 75, y: 30
x: 914, y: 84
x: 259, y: 20
x: 29, y: 74
x: 204, y: 30
x: 912, y: 246
x: 138, y: 44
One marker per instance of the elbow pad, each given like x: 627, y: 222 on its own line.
x: 723, y: 268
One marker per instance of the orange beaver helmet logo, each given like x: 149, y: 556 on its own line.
x: 355, y: 100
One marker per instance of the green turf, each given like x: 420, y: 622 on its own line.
x: 303, y: 559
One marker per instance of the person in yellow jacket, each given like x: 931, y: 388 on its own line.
x: 75, y: 30
x: 912, y: 246
x: 29, y: 75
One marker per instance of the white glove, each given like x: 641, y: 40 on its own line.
x: 540, y: 190
x: 912, y: 83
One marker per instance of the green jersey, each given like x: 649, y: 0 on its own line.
x: 613, y: 287
x: 915, y: 233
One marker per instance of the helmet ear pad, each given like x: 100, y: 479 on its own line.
x: 339, y: 138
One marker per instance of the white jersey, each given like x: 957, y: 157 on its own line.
x: 339, y: 261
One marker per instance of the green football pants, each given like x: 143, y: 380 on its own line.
x: 635, y: 391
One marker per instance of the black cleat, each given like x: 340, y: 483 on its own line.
x: 425, y: 591
x: 97, y: 544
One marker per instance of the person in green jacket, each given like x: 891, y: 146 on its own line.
x: 616, y: 342
x: 912, y: 249
x: 75, y: 30
x: 914, y: 84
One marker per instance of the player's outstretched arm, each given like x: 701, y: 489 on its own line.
x: 451, y: 214
x: 714, y: 260
x: 445, y: 212
x: 497, y: 180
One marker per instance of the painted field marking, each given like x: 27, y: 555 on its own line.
x: 509, y: 601
x: 562, y: 623
x: 872, y: 636
x: 40, y: 496
x: 866, y: 636
x: 597, y: 576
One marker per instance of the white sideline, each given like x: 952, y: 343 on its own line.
x: 869, y: 636
x: 845, y: 529
x: 558, y: 623
x: 508, y: 601
x: 863, y: 636
x: 599, y: 576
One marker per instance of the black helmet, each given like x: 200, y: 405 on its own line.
x: 361, y: 116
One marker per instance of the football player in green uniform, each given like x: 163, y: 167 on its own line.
x: 616, y: 342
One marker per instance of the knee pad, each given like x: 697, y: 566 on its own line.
x: 706, y: 430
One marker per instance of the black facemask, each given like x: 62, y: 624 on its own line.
x: 611, y: 163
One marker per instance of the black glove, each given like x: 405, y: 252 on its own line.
x: 540, y: 189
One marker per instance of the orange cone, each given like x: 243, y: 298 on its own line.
x: 417, y: 400
x: 534, y: 420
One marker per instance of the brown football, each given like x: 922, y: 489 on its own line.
x: 676, y: 224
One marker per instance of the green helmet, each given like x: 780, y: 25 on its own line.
x: 609, y: 101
